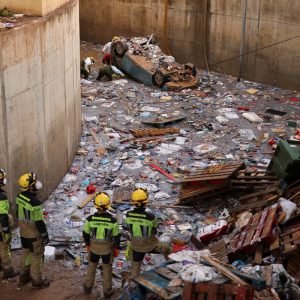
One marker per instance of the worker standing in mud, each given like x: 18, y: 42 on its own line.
x: 102, y: 239
x: 33, y: 231
x: 5, y: 231
x: 142, y: 226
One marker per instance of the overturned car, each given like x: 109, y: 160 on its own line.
x: 146, y: 63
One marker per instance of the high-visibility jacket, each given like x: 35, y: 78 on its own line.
x: 101, y: 232
x: 142, y: 226
x: 30, y: 216
x: 4, y: 211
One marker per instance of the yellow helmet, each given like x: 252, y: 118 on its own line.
x: 102, y: 201
x: 3, y: 179
x: 115, y: 38
x: 139, y: 196
x: 29, y: 180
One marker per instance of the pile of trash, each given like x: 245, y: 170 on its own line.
x: 203, y: 156
x: 8, y: 19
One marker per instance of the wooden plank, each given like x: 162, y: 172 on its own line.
x: 223, y: 171
x: 206, y: 178
x: 256, y: 194
x: 257, y: 177
x: 94, y: 135
x: 154, y: 132
x: 183, y: 195
x: 253, y: 182
x: 260, y: 225
x: 252, y: 229
x: 258, y: 255
x: 166, y: 273
x: 188, y: 291
x: 224, y: 271
x: 268, y: 226
x: 86, y: 201
x: 200, y: 197
x: 160, y: 170
x: 248, y: 206
x: 156, y: 284
x: 243, y: 235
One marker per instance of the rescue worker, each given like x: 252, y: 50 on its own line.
x: 142, y: 226
x: 101, y: 236
x: 33, y: 231
x: 105, y: 71
x: 5, y: 231
x: 106, y: 47
x: 110, y: 72
x: 85, y: 67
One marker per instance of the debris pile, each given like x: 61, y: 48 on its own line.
x: 203, y: 155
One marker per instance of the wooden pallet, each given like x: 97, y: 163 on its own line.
x: 255, y: 180
x: 290, y: 242
x: 218, y: 172
x: 260, y: 196
x: 157, y: 281
x: 293, y: 266
x: 258, y: 200
x: 154, y: 132
x: 197, y: 194
x: 208, y: 182
x: 210, y: 291
x: 88, y: 199
x: 258, y: 230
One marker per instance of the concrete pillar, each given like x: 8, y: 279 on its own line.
x: 32, y: 7
x: 40, y: 102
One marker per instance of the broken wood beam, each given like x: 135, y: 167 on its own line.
x: 154, y: 132
x: 86, y: 201
x: 224, y: 271
x: 94, y: 135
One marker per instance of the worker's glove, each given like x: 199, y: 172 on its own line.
x: 116, y: 252
x: 88, y: 248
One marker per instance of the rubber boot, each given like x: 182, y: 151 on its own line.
x: 24, y: 277
x: 107, y: 280
x: 9, y: 273
x: 108, y: 294
x: 87, y: 290
x: 43, y: 284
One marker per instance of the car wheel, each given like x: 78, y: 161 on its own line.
x: 119, y: 49
x: 158, y: 78
x: 192, y: 68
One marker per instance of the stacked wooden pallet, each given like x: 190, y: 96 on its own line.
x: 260, y: 229
x: 154, y: 131
x: 254, y: 180
x: 208, y: 182
x: 258, y: 199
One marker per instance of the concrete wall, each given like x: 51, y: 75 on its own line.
x: 32, y: 7
x: 268, y: 22
x: 40, y: 111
